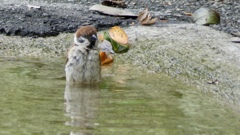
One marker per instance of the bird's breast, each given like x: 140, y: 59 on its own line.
x: 83, y: 66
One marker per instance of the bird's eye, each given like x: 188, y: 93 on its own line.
x: 80, y: 40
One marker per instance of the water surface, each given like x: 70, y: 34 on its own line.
x: 35, y: 100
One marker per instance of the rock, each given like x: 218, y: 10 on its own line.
x: 50, y: 21
x: 17, y: 19
x: 189, y: 52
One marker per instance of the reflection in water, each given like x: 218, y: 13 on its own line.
x: 81, y: 107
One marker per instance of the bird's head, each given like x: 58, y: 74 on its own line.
x: 86, y: 36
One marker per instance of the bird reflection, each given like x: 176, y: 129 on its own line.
x: 81, y: 106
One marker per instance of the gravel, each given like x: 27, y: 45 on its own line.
x: 56, y: 17
x: 173, y: 10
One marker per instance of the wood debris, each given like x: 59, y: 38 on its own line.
x: 145, y: 18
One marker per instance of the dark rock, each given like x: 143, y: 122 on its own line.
x: 52, y: 19
x: 45, y: 22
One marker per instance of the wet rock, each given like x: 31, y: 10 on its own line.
x: 189, y: 52
x: 53, y: 18
x: 50, y: 22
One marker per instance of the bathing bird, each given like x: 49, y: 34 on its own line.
x: 83, y: 60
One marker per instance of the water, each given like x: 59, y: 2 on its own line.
x: 35, y: 101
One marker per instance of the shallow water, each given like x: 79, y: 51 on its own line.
x: 35, y: 101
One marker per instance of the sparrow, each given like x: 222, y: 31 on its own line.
x: 83, y: 60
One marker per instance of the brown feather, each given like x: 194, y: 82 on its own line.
x: 86, y: 31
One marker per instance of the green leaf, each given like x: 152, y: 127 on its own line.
x: 117, y: 48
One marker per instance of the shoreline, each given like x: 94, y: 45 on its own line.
x: 191, y: 53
